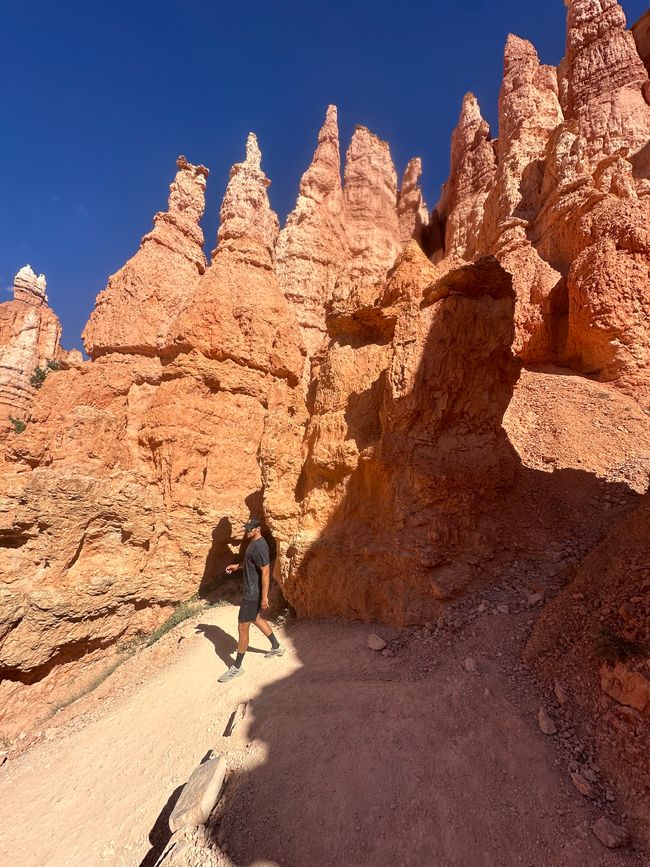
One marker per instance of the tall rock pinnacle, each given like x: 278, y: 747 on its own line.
x: 472, y: 173
x: 248, y: 224
x: 312, y: 247
x: 604, y: 78
x: 370, y: 191
x: 412, y: 212
x: 30, y: 288
x: 237, y: 311
x: 29, y: 337
x: 135, y: 311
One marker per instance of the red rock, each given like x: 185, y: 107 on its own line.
x: 312, y: 248
x: 142, y: 300
x: 604, y: 78
x: 472, y: 175
x: 371, y: 221
x: 629, y: 688
x: 609, y: 834
x: 412, y: 212
x: 372, y: 438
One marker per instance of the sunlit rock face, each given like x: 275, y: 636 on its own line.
x: 30, y: 336
x: 128, y: 488
x: 343, y: 237
x: 561, y: 198
x: 135, y: 311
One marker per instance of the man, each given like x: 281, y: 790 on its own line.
x: 256, y: 595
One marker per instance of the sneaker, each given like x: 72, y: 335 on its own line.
x: 232, y: 672
x: 274, y: 651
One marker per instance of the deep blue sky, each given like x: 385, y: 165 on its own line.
x: 99, y: 98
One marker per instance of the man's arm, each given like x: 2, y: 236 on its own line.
x: 266, y: 580
x: 233, y: 567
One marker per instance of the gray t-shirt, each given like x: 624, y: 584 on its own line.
x: 256, y: 556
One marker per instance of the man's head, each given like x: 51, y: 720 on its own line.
x: 253, y: 528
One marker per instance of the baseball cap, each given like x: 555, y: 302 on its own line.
x: 252, y: 524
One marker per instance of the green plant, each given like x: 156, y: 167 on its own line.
x: 18, y: 424
x: 38, y: 377
x: 182, y: 612
x: 53, y: 365
x: 615, y: 648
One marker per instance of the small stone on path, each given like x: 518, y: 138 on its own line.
x: 375, y: 642
x: 560, y: 694
x: 471, y: 665
x: 535, y: 599
x: 609, y: 834
x: 582, y: 785
x: 546, y: 724
x: 503, y: 609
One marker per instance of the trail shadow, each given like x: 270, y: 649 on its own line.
x: 160, y: 835
x: 224, y: 643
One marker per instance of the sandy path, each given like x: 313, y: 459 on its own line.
x: 346, y: 757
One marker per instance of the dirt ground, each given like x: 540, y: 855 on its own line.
x: 346, y: 756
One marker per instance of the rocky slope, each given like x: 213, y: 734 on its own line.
x: 355, y: 376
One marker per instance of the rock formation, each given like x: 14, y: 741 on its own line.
x: 347, y: 375
x: 394, y: 484
x: 602, y: 79
x: 343, y: 239
x: 562, y: 196
x: 134, y: 312
x: 30, y: 336
x: 127, y: 491
x: 312, y: 247
x: 412, y: 211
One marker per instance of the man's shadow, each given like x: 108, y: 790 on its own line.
x: 225, y: 645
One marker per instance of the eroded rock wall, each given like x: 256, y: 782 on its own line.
x: 404, y: 449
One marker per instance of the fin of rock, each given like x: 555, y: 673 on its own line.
x: 412, y: 213
x: 237, y: 311
x: 30, y: 335
x: 371, y: 221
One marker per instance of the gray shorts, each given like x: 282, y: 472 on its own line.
x: 249, y: 609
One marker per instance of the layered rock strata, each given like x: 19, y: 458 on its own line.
x: 30, y: 336
x: 312, y: 247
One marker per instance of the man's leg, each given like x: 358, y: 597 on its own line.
x: 242, y: 644
x: 264, y: 627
